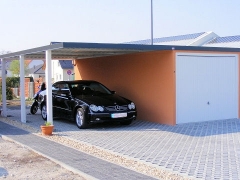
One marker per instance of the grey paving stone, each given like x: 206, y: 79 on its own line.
x: 77, y: 160
x: 197, y: 149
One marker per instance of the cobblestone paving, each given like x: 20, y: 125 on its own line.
x: 206, y: 150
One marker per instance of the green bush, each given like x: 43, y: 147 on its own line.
x: 11, y: 82
x: 9, y: 93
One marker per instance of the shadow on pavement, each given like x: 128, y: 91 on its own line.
x: 198, y: 129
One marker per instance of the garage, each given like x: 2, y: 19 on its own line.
x: 206, y: 87
x: 170, y: 85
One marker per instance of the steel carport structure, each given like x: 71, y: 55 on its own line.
x: 62, y: 50
x: 77, y: 50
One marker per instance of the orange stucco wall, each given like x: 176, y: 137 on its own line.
x: 148, y: 79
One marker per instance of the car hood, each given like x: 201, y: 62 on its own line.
x: 105, y: 100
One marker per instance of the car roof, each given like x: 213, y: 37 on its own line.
x: 76, y: 81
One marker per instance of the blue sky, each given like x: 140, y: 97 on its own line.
x: 32, y: 23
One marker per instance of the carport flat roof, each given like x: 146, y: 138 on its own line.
x: 77, y: 50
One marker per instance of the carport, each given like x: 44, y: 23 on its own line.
x: 101, y: 52
x: 63, y: 50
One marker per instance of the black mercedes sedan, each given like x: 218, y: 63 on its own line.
x: 87, y: 102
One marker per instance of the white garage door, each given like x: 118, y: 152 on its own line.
x: 206, y: 87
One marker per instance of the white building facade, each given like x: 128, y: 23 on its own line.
x: 62, y: 70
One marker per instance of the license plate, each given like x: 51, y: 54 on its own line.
x: 119, y: 115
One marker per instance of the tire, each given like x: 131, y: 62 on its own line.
x: 80, y: 119
x: 44, y: 112
x: 34, y: 108
x: 126, y: 122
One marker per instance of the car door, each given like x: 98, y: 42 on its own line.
x: 55, y: 99
x: 63, y: 99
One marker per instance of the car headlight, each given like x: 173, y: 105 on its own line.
x: 96, y: 108
x: 131, y: 106
x: 100, y: 108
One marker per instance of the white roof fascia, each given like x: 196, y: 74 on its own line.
x: 176, y: 43
x: 201, y: 40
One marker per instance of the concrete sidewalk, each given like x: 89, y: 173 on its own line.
x: 86, y: 165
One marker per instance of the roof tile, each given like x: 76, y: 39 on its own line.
x: 66, y: 64
x: 168, y: 39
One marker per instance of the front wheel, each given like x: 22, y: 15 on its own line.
x: 34, y: 107
x: 44, y: 112
x: 80, y: 119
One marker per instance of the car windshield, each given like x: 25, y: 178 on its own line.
x: 89, y: 88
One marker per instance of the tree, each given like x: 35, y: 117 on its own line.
x: 15, y: 67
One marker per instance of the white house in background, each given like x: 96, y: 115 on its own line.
x: 195, y: 39
x: 209, y: 39
x: 37, y: 72
x: 35, y: 63
x: 227, y: 41
x: 62, y: 70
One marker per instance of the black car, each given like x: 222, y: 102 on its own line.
x: 87, y: 102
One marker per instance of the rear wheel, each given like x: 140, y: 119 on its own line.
x: 44, y: 112
x: 34, y: 107
x: 80, y: 119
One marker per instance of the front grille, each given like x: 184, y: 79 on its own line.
x: 117, y: 108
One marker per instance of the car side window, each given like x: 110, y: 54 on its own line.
x: 74, y: 89
x: 55, y: 88
x: 64, y: 89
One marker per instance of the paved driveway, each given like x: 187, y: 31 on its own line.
x: 207, y: 150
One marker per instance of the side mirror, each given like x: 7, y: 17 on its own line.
x: 113, y: 92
